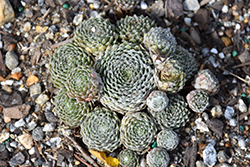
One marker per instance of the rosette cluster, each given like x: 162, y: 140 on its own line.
x: 127, y: 75
x: 126, y: 4
x: 100, y: 130
x: 128, y: 158
x: 158, y: 157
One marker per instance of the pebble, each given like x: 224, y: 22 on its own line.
x: 17, y: 159
x: 229, y: 112
x: 27, y: 26
x: 195, y: 36
x: 222, y: 156
x: 11, y: 60
x: 28, y: 13
x: 49, y: 127
x: 224, y: 9
x: 209, y: 155
x: 233, y: 122
x: 55, y: 141
x: 143, y: 5
x: 201, y: 125
x: 50, y: 117
x: 216, y: 111
x: 187, y: 21
x: 2, y: 147
x: 19, y: 123
x: 38, y: 134
x: 31, y: 125
x: 200, y: 164
x: 241, y: 142
x: 26, y: 140
x: 35, y: 90
x: 32, y: 151
x: 4, y: 136
x: 7, y: 82
x: 7, y: 13
x: 242, y: 106
x: 7, y: 88
x: 78, y: 19
x: 13, y: 144
x: 205, y: 51
x: 41, y: 99
x: 17, y: 112
x: 191, y: 5
x: 214, y: 51
x: 221, y: 55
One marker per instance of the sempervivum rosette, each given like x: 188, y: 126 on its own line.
x: 206, y: 81
x: 157, y: 100
x: 167, y: 139
x: 64, y: 59
x: 137, y: 131
x: 169, y: 76
x: 133, y: 28
x: 158, y: 157
x: 83, y: 84
x: 69, y: 110
x: 95, y: 34
x: 100, y: 130
x: 128, y: 158
x: 160, y: 41
x: 198, y: 100
x: 126, y: 4
x: 188, y: 62
x: 174, y: 116
x: 127, y: 75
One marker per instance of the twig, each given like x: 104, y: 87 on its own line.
x: 241, y: 65
x: 236, y: 76
x: 84, y: 153
x: 46, y: 14
x: 85, y: 163
x: 61, y: 43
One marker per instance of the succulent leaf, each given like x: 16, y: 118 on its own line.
x: 126, y: 4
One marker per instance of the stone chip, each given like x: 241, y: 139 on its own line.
x: 17, y: 112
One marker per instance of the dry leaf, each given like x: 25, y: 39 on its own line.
x: 109, y: 161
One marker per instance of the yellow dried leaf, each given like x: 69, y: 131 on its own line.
x: 109, y: 161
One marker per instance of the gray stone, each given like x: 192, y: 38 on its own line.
x: 41, y: 99
x: 28, y: 13
x: 35, y: 90
x: 17, y: 159
x: 2, y: 147
x: 229, y: 112
x: 49, y: 127
x: 38, y: 134
x: 209, y: 155
x: 6, y: 13
x: 192, y: 5
x: 195, y: 36
x: 222, y: 156
x: 9, y: 100
x: 19, y: 123
x: 11, y: 60
x: 233, y: 122
x: 51, y: 117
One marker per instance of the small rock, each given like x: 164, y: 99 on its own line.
x: 78, y: 19
x: 47, y: 164
x: 221, y: 55
x: 229, y: 112
x: 216, y: 126
x: 7, y: 88
x: 11, y: 60
x: 214, y: 51
x: 209, y: 155
x: 41, y: 99
x: 2, y: 147
x: 31, y: 125
x: 38, y: 134
x: 200, y: 164
x: 216, y: 111
x: 55, y: 141
x: 202, y: 17
x: 26, y: 140
x: 32, y: 80
x: 227, y: 41
x: 222, y: 156
x: 51, y: 117
x: 7, y: 13
x: 13, y: 144
x: 35, y: 90
x: 3, y: 164
x: 187, y: 21
x: 27, y: 26
x: 241, y: 142
x: 32, y: 151
x: 4, y: 136
x: 66, y: 153
x: 17, y: 112
x: 242, y: 106
x: 201, y: 125
x: 19, y: 123
x: 49, y: 127
x: 9, y: 100
x: 224, y: 9
x: 4, y: 154
x: 192, y: 5
x: 143, y: 5
x: 233, y: 122
x: 17, y: 159
x: 195, y: 35
x: 28, y: 13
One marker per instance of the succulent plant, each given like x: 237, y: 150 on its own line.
x: 133, y: 28
x: 188, y: 62
x: 158, y: 157
x: 169, y: 76
x: 157, y: 100
x: 95, y: 35
x: 126, y: 4
x: 69, y: 110
x: 83, y: 84
x: 206, y: 81
x: 197, y: 100
x: 167, y: 139
x: 174, y: 116
x: 64, y: 59
x: 127, y: 75
x: 100, y: 130
x: 128, y: 158
x: 160, y: 41
x: 137, y: 131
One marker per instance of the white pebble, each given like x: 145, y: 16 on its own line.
x: 202, y: 126
x: 233, y: 122
x: 7, y: 82
x: 221, y: 55
x: 19, y: 123
x: 229, y: 112
x: 143, y: 5
x: 237, y: 27
x: 224, y: 9
x: 242, y: 106
x: 241, y: 143
x: 214, y: 51
x: 209, y: 155
x: 187, y: 21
